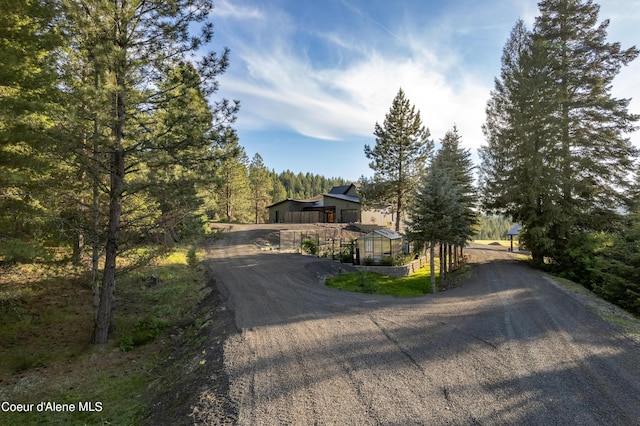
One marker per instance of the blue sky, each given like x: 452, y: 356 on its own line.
x: 314, y: 76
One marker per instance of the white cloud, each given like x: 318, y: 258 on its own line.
x: 224, y: 9
x: 341, y: 101
x: 281, y: 87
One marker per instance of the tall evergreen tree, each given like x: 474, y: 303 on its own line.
x: 456, y: 160
x: 278, y: 193
x: 133, y: 46
x: 436, y: 212
x: 518, y: 177
x: 182, y: 129
x: 590, y: 123
x: 29, y: 40
x: 232, y: 189
x: 556, y: 158
x: 261, y: 188
x: 399, y: 157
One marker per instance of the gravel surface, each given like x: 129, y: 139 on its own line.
x: 506, y: 347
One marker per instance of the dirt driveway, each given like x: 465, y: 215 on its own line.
x: 507, y: 347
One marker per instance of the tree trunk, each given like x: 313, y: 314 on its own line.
x: 256, y: 206
x: 432, y: 267
x: 398, y: 210
x: 105, y: 322
x: 537, y: 258
x: 442, y: 264
x: 78, y: 243
x: 456, y: 260
x: 95, y: 207
x: 105, y: 319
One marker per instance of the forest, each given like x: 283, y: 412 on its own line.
x: 112, y: 140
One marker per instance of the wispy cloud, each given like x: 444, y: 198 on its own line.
x: 225, y: 9
x: 282, y: 87
x: 285, y: 88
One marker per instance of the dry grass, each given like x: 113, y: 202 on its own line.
x: 503, y: 243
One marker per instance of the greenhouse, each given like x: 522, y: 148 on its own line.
x: 379, y: 244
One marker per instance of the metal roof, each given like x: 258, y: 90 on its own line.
x: 386, y: 233
x: 515, y: 230
x: 342, y: 189
x: 344, y: 197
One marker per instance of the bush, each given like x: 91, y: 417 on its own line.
x: 19, y: 251
x: 143, y: 332
x: 309, y: 246
x: 398, y: 260
x: 192, y: 257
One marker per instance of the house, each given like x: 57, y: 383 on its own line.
x: 340, y: 205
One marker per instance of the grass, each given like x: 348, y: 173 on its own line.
x: 46, y: 327
x: 416, y: 284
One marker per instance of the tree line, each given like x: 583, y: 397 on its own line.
x: 110, y: 139
x: 243, y: 189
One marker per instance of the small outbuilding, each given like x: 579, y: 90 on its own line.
x: 379, y: 244
x: 513, y: 232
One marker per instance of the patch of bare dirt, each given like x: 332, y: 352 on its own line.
x: 192, y: 387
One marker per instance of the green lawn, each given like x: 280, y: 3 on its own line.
x: 415, y: 284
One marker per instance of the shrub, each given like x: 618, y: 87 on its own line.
x: 143, y: 332
x: 309, y: 246
x: 19, y: 251
x: 192, y: 257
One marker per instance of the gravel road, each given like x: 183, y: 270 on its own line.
x: 506, y: 347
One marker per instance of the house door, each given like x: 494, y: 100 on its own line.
x: 331, y: 217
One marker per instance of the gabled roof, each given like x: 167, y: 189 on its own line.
x: 342, y: 189
x: 344, y: 197
x: 386, y: 233
x: 310, y: 201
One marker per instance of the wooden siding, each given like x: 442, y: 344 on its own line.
x: 303, y: 217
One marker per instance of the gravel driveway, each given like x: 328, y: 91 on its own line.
x: 507, y: 347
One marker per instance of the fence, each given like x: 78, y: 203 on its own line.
x: 330, y: 242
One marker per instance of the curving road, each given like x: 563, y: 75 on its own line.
x: 507, y: 347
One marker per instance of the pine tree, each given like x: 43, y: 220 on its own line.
x: 556, y: 158
x: 182, y: 129
x: 132, y: 47
x: 518, y: 177
x: 278, y: 193
x: 29, y: 40
x: 261, y: 188
x: 456, y: 160
x: 399, y: 157
x: 436, y: 212
x: 596, y: 156
x: 233, y: 187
